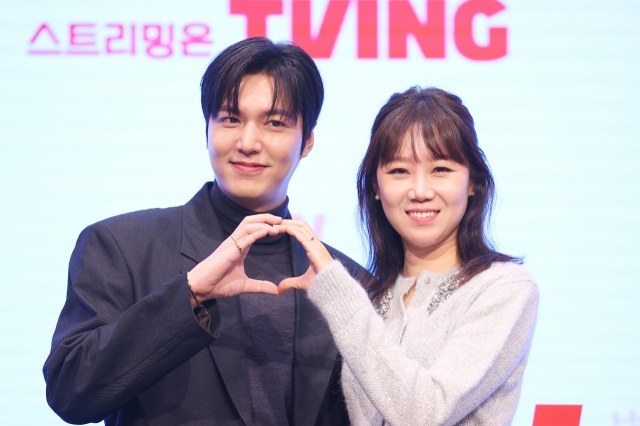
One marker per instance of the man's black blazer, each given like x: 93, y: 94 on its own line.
x: 128, y: 348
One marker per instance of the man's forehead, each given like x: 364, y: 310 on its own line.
x: 260, y: 94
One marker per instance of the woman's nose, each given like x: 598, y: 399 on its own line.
x: 421, y: 190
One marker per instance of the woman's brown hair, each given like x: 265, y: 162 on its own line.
x: 441, y: 122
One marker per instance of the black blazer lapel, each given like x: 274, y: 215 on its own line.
x: 228, y: 352
x: 314, y: 350
x: 201, y: 235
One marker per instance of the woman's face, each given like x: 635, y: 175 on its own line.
x: 425, y: 200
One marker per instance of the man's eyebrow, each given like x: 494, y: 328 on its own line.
x: 279, y: 111
x: 266, y: 113
x: 225, y: 108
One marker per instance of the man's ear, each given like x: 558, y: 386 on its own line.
x: 206, y: 136
x: 307, y: 146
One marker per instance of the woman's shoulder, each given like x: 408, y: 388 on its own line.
x: 503, y: 287
x: 507, y: 275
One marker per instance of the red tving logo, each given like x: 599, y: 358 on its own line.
x: 401, y: 22
x: 557, y: 415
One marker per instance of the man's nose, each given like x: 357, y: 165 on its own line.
x: 250, y: 140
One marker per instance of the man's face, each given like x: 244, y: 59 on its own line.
x: 254, y: 154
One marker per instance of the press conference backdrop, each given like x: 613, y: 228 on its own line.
x: 100, y: 115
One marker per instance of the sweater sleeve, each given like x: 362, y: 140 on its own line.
x: 108, y: 347
x: 482, y: 349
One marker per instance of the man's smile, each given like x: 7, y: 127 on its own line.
x: 247, y: 166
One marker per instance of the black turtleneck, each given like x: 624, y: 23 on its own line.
x: 268, y: 321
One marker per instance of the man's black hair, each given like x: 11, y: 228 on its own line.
x: 297, y: 90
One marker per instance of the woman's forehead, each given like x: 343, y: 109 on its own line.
x: 412, y: 147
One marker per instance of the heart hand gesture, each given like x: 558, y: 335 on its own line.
x: 316, y: 252
x: 222, y: 273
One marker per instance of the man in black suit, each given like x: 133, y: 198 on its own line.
x: 172, y: 315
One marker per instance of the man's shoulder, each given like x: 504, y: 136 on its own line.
x: 155, y: 221
x: 354, y: 268
x: 150, y: 219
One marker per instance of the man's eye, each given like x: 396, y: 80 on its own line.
x: 228, y: 119
x: 276, y: 123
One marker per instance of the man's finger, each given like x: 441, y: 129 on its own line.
x: 249, y: 228
x: 262, y: 218
x: 258, y: 286
x: 248, y: 240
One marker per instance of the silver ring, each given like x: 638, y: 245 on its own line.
x: 311, y: 238
x: 237, y: 245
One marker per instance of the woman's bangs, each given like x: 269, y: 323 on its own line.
x: 441, y: 142
x: 424, y: 137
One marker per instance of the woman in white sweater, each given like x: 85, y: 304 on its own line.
x: 440, y: 333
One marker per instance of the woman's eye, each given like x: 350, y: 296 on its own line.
x: 441, y: 170
x: 398, y: 171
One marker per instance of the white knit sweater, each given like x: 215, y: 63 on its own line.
x: 462, y: 364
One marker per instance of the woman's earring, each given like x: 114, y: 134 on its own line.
x: 377, y: 197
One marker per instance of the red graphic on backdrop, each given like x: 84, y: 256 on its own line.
x: 402, y: 23
x: 256, y: 12
x: 158, y: 40
x: 320, y: 46
x: 557, y: 415
x: 155, y: 40
x: 430, y: 35
x: 463, y: 33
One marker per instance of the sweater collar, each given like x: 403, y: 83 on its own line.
x: 426, y: 278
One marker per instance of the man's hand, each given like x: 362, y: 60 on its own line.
x: 222, y: 273
x: 316, y: 252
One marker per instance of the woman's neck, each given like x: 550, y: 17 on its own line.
x: 434, y: 259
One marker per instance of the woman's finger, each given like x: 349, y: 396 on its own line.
x: 316, y: 251
x: 287, y: 284
x: 303, y: 282
x: 300, y: 227
x: 299, y: 224
x: 304, y: 229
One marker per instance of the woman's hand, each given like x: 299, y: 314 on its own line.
x: 316, y: 252
x: 222, y: 273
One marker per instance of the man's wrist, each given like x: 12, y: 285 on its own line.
x: 195, y: 300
